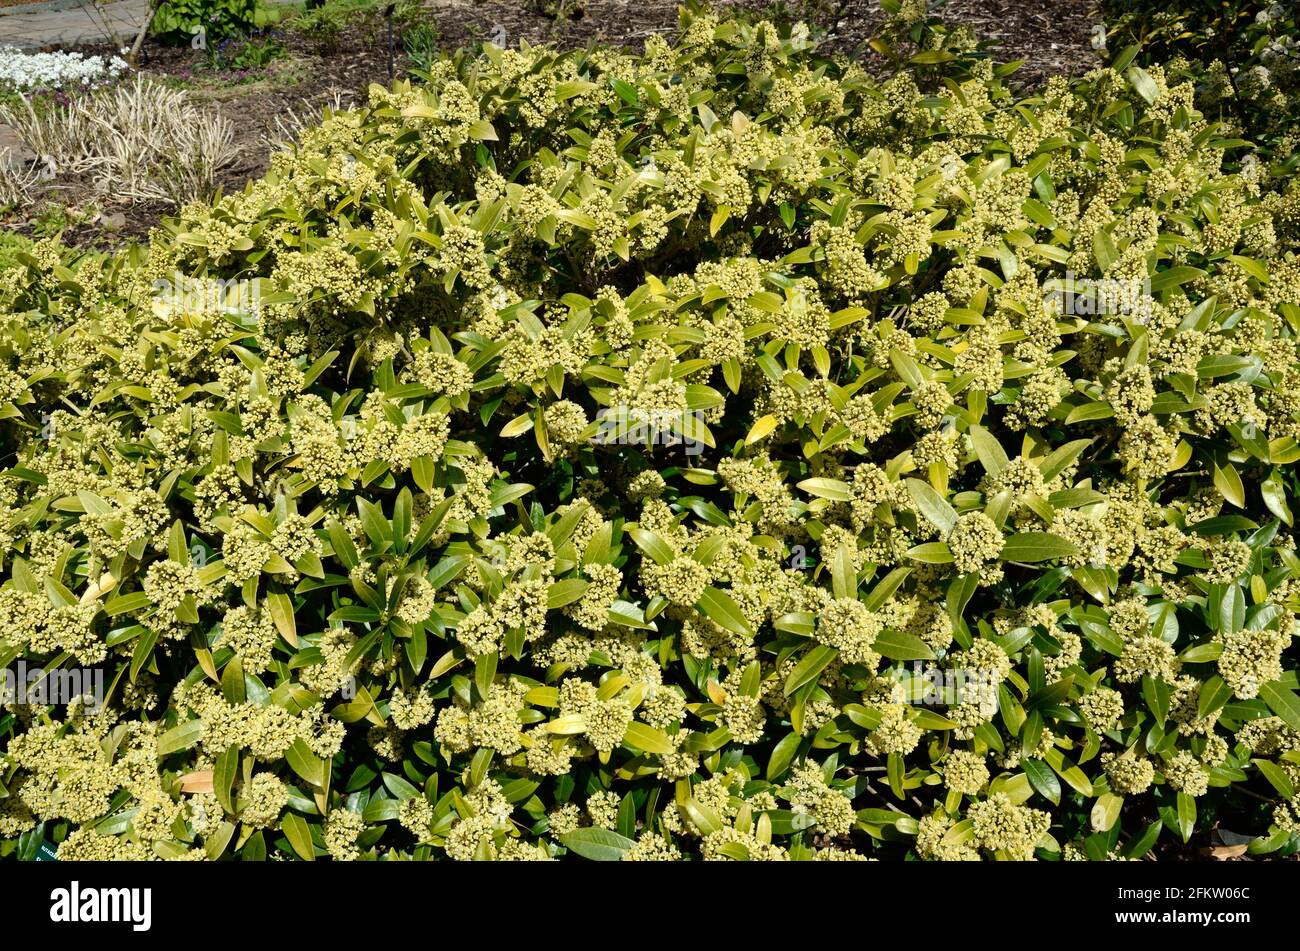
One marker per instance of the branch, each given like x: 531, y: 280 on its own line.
x: 144, y: 29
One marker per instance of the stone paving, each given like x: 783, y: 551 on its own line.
x: 35, y: 26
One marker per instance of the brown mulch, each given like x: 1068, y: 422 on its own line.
x: 614, y: 22
x: 1052, y: 36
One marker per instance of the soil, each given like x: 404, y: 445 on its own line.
x: 1050, y: 36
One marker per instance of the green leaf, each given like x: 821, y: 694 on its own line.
x: 718, y: 219
x: 1142, y: 82
x: 280, y: 607
x: 1274, y: 494
x: 895, y: 770
x: 143, y: 652
x: 298, y: 833
x: 1105, y: 812
x: 1277, y: 776
x: 254, y: 849
x: 844, y: 578
x: 447, y: 570
x: 1232, y: 610
x: 399, y: 787
x: 899, y: 645
x: 344, y: 549
x: 885, y: 588
x: 485, y: 672
x: 599, y: 845
x: 647, y: 739
x: 1072, y: 774
x: 1061, y: 458
x: 988, y: 450
x: 1031, y: 547
x: 1228, y: 482
x: 1089, y: 411
x: 180, y: 737
x: 216, y: 844
x: 127, y: 603
x: 1103, y: 248
x: 1143, y: 843
x: 703, y: 817
x: 565, y: 592
x: 655, y: 547
x: 1031, y: 732
x: 1282, y: 701
x: 719, y: 608
x: 932, y: 505
x: 626, y: 614
x: 932, y: 57
x: 812, y: 664
x: 1266, y: 845
x: 1156, y: 693
x: 1222, y: 364
x: 1186, y: 816
x: 373, y: 522
x: 626, y: 91
x: 482, y: 130
x: 1174, y: 277
x: 931, y: 553
x: 1125, y: 57
x: 505, y: 494
x: 223, y: 777
x: 381, y: 809
x: 783, y: 755
x: 832, y: 489
x: 1043, y: 780
x: 1213, y: 695
x: 960, y: 591
x: 306, y: 763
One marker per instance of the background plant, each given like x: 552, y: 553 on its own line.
x: 1244, y: 56
x: 421, y: 41
x: 324, y: 24
x: 254, y: 52
x: 25, y: 71
x: 179, y: 21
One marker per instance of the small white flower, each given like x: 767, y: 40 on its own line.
x: 22, y: 71
x: 1264, y: 17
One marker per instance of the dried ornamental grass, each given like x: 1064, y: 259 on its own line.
x: 18, y: 180
x: 138, y: 141
x: 602, y: 453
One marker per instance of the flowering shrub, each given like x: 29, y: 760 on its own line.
x: 909, y: 536
x: 21, y: 71
x: 10, y: 245
x: 1243, y: 55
